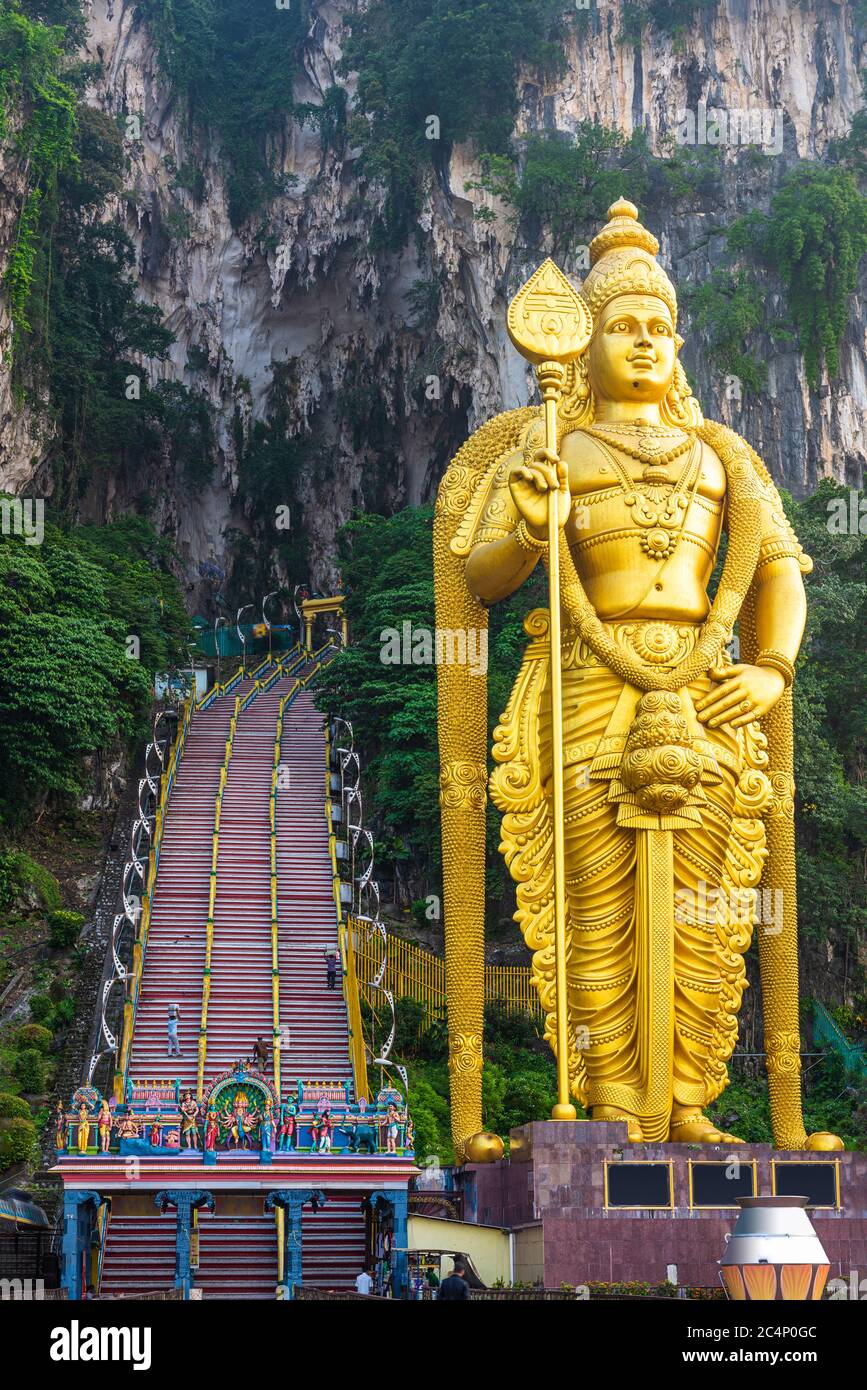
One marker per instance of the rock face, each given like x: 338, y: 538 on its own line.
x: 381, y: 398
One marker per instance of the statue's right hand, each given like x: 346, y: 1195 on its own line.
x: 531, y: 485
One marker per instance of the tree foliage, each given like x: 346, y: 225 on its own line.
x: 729, y: 306
x: 68, y: 684
x: 831, y: 725
x: 235, y: 62
x: 38, y: 118
x: 454, y: 60
x: 814, y: 238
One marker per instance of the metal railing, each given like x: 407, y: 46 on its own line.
x: 414, y: 973
x: 137, y: 913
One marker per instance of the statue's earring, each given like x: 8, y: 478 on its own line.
x: 576, y: 409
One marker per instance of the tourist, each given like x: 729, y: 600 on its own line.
x: 363, y: 1282
x: 174, y: 1049
x: 260, y: 1052
x: 331, y: 967
x: 456, y: 1286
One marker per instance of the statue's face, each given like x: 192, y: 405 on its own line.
x: 632, y: 351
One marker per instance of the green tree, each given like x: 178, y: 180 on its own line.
x: 814, y: 238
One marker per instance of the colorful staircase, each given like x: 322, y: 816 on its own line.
x: 238, y: 1253
x: 139, y: 1254
x: 307, y: 916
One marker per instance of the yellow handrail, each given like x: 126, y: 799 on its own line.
x: 212, y: 894
x: 357, y: 1051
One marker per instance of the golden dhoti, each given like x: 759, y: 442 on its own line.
x: 659, y: 907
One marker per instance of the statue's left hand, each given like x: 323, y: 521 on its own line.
x: 745, y: 693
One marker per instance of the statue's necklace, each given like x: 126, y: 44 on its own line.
x: 647, y: 444
x: 659, y: 504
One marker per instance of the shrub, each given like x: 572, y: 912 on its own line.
x: 65, y: 926
x: 33, y: 1035
x: 18, y: 873
x: 41, y: 1008
x: 64, y: 1013
x: 30, y: 1070
x: 13, y: 1107
x: 17, y: 1138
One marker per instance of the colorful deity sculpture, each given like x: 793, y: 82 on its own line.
x: 321, y: 1130
x: 242, y: 1121
x: 83, y: 1128
x: 59, y: 1126
x: 644, y: 775
x: 190, y: 1120
x: 392, y: 1129
x: 266, y: 1126
x: 103, y: 1125
x: 212, y: 1129
x: 287, y: 1127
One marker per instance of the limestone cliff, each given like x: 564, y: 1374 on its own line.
x: 301, y: 295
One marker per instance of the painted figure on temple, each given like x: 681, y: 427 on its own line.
x: 212, y: 1129
x: 190, y: 1120
x: 59, y: 1126
x: 321, y: 1130
x: 103, y: 1125
x: 392, y: 1129
x: 242, y: 1121
x: 266, y: 1126
x: 156, y: 1134
x: 643, y: 772
x: 83, y: 1128
x: 286, y: 1131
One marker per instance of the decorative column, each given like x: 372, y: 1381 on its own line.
x: 79, y: 1212
x: 398, y: 1200
x: 292, y: 1201
x: 184, y: 1201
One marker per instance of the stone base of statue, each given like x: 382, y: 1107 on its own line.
x: 586, y: 1206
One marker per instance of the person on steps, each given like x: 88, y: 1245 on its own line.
x: 174, y: 1048
x: 331, y: 967
x: 260, y: 1052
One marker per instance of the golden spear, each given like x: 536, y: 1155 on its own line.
x: 551, y: 326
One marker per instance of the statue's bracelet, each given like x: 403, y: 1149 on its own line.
x: 778, y: 662
x: 526, y: 540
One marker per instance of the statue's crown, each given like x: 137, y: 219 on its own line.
x: 623, y: 261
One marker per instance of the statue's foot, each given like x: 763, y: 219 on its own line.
x: 608, y: 1112
x: 822, y: 1142
x: 692, y: 1127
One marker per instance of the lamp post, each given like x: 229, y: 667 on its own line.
x: 273, y: 594
x: 241, y: 638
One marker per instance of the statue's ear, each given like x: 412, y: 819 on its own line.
x: 678, y: 341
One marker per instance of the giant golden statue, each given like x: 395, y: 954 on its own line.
x: 639, y: 820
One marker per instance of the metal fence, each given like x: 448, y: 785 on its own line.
x: 414, y: 973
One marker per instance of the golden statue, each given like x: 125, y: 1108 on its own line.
x: 641, y: 819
